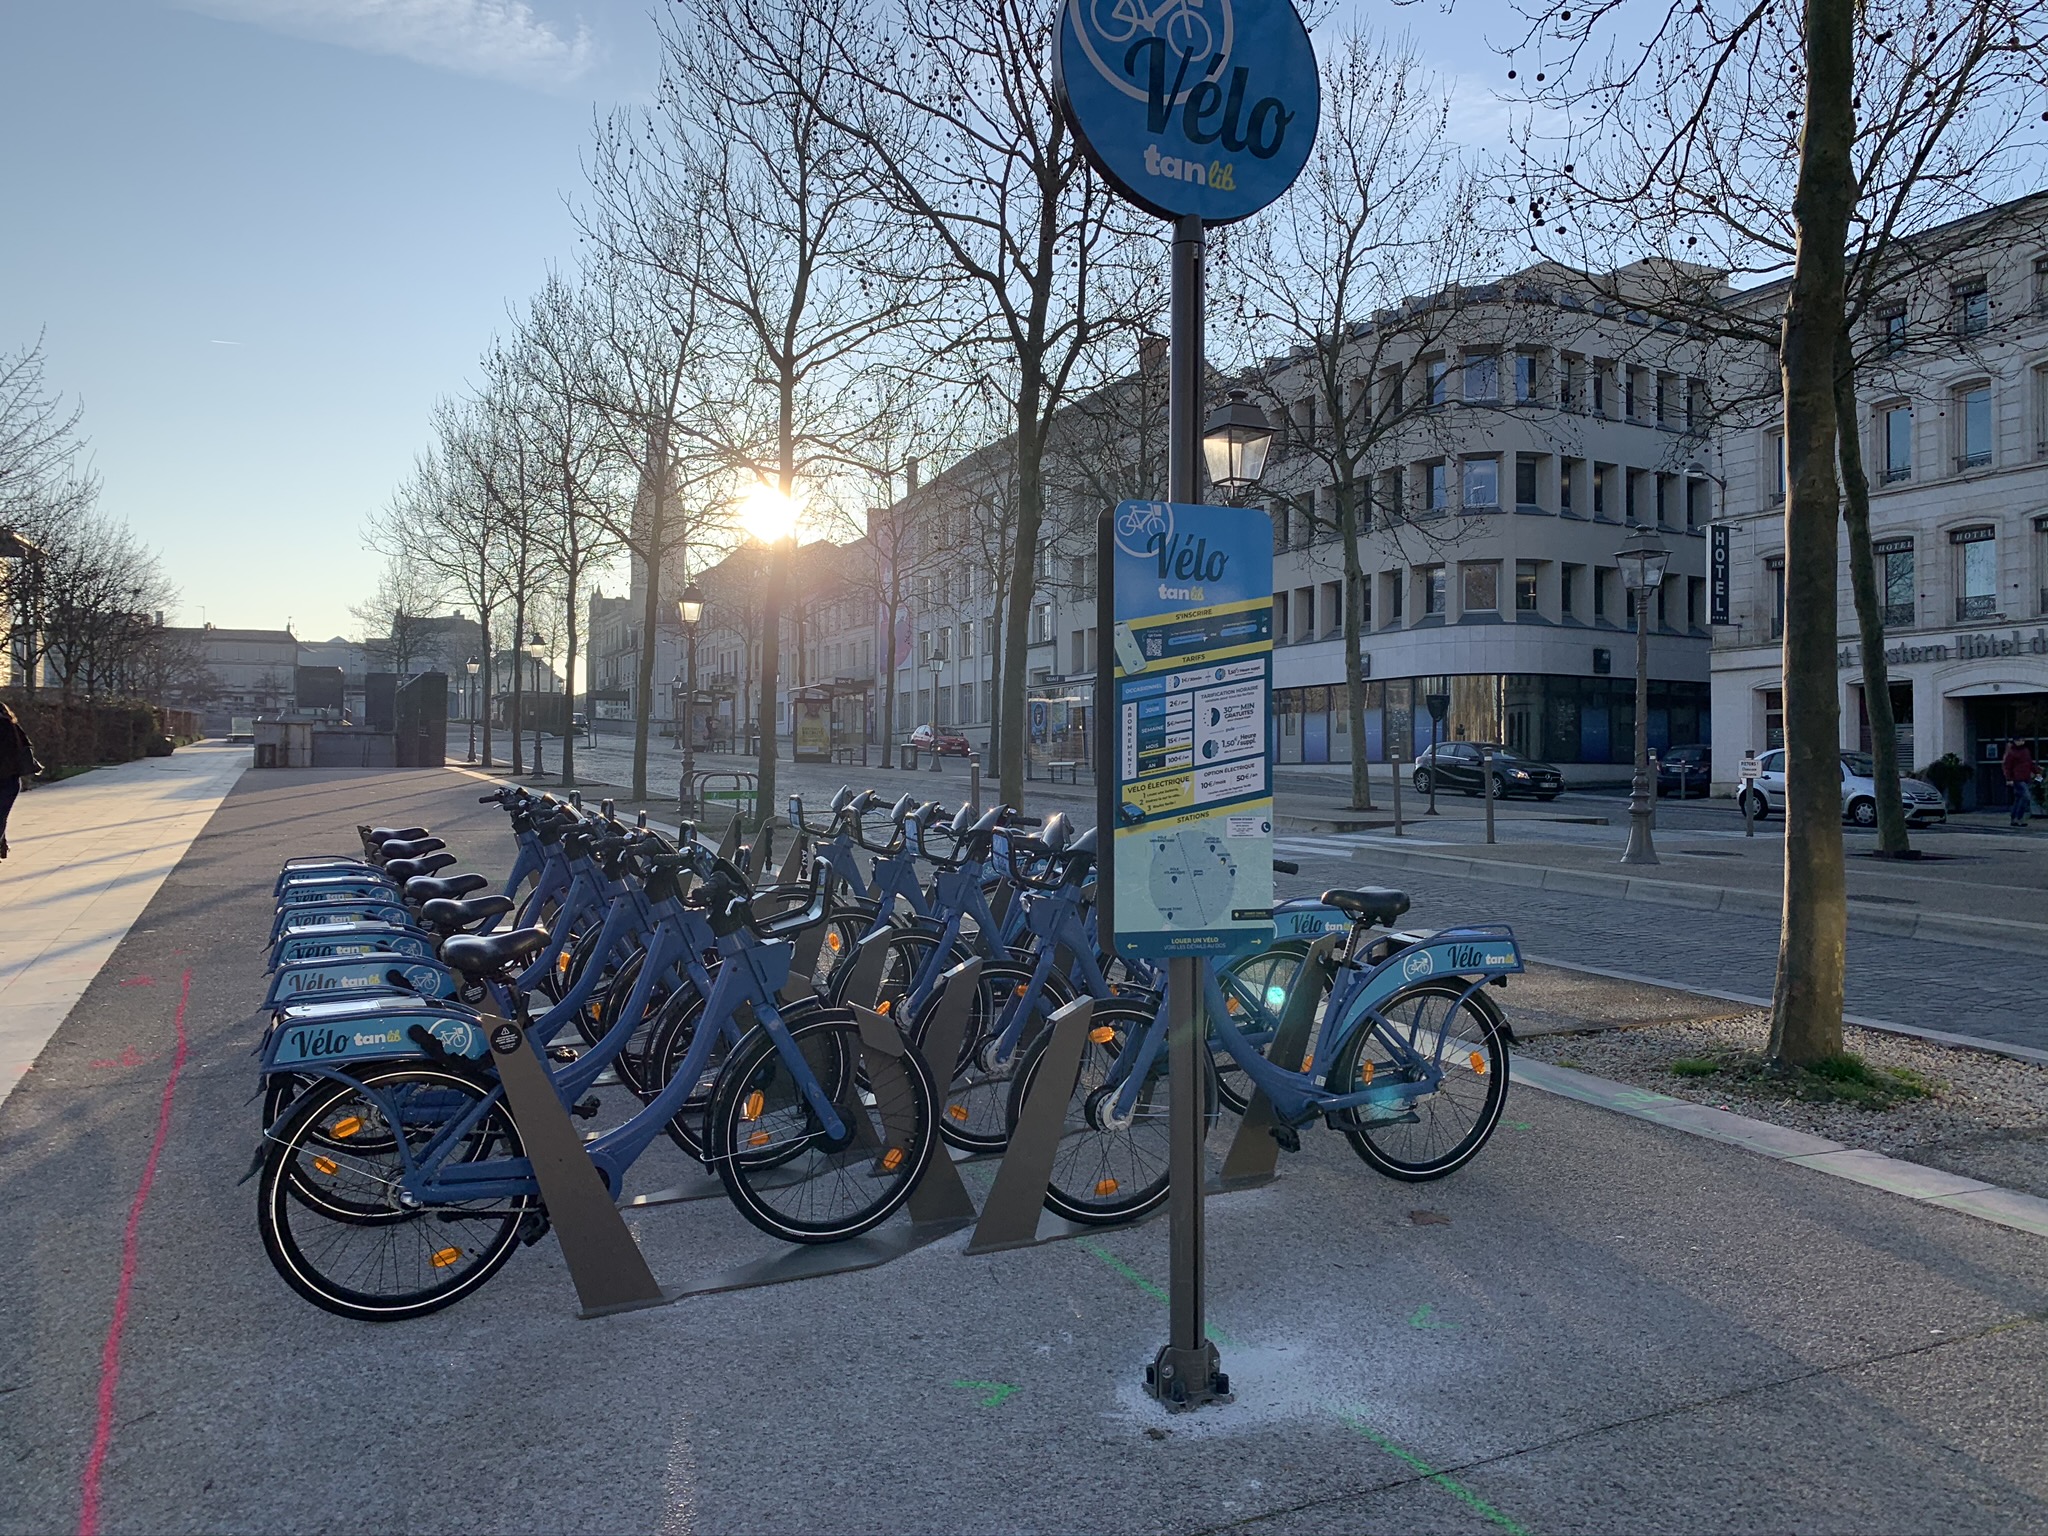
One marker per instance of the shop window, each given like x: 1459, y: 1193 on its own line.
x: 1895, y: 581
x: 1976, y: 572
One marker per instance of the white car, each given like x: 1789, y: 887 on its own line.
x: 1923, y: 801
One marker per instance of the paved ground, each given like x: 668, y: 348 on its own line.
x: 1599, y: 1326
x: 87, y: 855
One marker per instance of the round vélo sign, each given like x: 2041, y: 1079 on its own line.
x: 1203, y: 108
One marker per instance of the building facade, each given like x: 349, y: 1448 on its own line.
x: 1953, y: 387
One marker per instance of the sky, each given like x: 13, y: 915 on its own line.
x: 261, y: 237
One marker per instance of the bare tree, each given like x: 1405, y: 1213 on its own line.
x: 398, y: 618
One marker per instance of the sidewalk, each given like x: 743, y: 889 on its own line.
x: 88, y: 854
x: 1599, y: 1326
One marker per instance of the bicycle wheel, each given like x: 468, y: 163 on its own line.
x: 331, y: 1215
x: 844, y: 929
x: 1428, y: 1137
x: 1104, y: 1175
x: 603, y: 1014
x: 786, y: 1175
x: 674, y: 1034
x: 976, y: 1113
x: 1255, y: 992
x: 906, y: 950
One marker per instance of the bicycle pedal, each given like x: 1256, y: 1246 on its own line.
x: 561, y: 1053
x: 1288, y: 1137
x: 585, y: 1109
x: 533, y: 1226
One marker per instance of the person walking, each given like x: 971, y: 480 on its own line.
x: 2018, y: 765
x: 17, y: 763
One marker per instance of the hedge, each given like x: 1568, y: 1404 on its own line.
x: 81, y: 735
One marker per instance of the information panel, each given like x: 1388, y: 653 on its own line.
x: 1193, y: 639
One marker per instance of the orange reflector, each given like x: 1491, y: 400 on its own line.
x: 892, y: 1159
x: 1364, y: 1073
x: 1022, y: 990
x: 325, y: 1164
x: 1107, y: 1186
x: 832, y: 942
x: 756, y: 1102
x: 562, y: 963
x: 345, y: 1127
x: 883, y: 1006
x: 758, y: 1139
x: 1479, y: 1064
x: 1307, y: 1062
x: 957, y: 1111
x: 1102, y: 1034
x: 446, y: 1257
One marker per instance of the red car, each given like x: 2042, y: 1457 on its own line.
x: 941, y: 742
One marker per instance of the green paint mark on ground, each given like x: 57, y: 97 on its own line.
x: 1216, y: 1335
x: 1443, y: 1480
x: 993, y: 1392
x: 1423, y: 1319
x: 1518, y: 1125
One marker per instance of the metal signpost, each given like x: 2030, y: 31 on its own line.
x: 1201, y: 116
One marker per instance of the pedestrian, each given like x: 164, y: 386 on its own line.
x: 2018, y: 764
x: 17, y: 763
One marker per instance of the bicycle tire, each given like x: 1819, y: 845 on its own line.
x: 411, y: 1256
x: 760, y: 1126
x: 1108, y: 1177
x: 674, y: 1033
x: 975, y: 1113
x: 1483, y: 1059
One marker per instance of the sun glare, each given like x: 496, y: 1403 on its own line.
x: 767, y: 514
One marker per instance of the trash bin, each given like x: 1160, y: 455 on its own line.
x: 906, y: 755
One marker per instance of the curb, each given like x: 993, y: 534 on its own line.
x: 1995, y: 933
x: 1915, y: 1181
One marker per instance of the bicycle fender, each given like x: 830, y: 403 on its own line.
x: 1455, y: 952
x: 304, y: 979
x: 298, y: 1047
x: 394, y: 942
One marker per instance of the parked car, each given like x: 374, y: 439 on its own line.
x: 579, y: 726
x: 1455, y: 765
x: 942, y: 742
x: 1923, y: 801
x: 1685, y: 771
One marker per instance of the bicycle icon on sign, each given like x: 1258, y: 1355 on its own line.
x: 1140, y: 524
x: 1203, y: 30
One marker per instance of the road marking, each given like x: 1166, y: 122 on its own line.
x: 994, y: 1392
x: 110, y: 1351
x: 1422, y: 1317
x: 1443, y: 1480
x: 1216, y: 1335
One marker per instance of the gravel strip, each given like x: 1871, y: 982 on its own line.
x: 1987, y: 1118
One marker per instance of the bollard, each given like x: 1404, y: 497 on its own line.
x: 974, y: 785
x: 1394, y: 762
x: 1748, y: 807
x: 1653, y: 790
x: 1486, y: 777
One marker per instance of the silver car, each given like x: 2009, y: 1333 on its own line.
x: 1923, y: 802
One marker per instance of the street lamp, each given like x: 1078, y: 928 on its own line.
x: 938, y: 661
x: 690, y: 610
x: 1234, y: 441
x: 471, y: 666
x: 1642, y: 560
x: 536, y: 648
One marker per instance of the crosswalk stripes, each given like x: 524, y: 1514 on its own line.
x: 1346, y: 844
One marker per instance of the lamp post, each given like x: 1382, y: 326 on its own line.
x: 1234, y: 442
x: 470, y: 666
x: 938, y: 661
x: 1439, y: 705
x: 690, y: 610
x: 1642, y: 560
x: 536, y: 648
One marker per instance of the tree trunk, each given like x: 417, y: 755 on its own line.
x: 569, y: 683
x: 518, y: 681
x: 1010, y: 733
x: 1806, y: 1004
x: 771, y: 611
x: 650, y: 628
x: 1892, y: 839
x: 1354, y: 670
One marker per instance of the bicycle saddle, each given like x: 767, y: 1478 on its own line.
x: 454, y: 887
x: 1085, y: 843
x: 1371, y: 904
x: 902, y: 808
x: 403, y: 870
x: 411, y: 848
x: 1057, y: 832
x: 483, y: 954
x: 844, y: 798
x: 447, y: 916
x: 383, y: 835
x: 861, y: 803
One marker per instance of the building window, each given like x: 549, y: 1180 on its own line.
x: 1525, y: 378
x: 1695, y: 405
x: 1279, y: 513
x: 2041, y: 411
x: 1077, y: 658
x: 1774, y: 451
x: 1599, y: 388
x: 1895, y: 579
x: 1774, y: 719
x: 1390, y: 495
x: 1774, y: 578
x: 1973, y: 426
x: 1525, y: 586
x: 2041, y: 562
x: 1482, y: 377
x: 1891, y: 329
x: 1397, y: 595
x: 1567, y: 583
x: 1439, y: 376
x: 1525, y: 480
x: 1897, y: 424
x: 1601, y: 475
x: 1433, y: 594
x: 1482, y: 484
x: 1333, y: 608
x: 1569, y: 384
x: 2041, y: 285
x: 1567, y: 472
x: 1972, y: 299
x: 1364, y: 591
x: 1976, y: 572
x: 1436, y: 493
x: 1599, y: 593
x: 1280, y: 629
x: 1304, y: 613
x: 1481, y: 587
